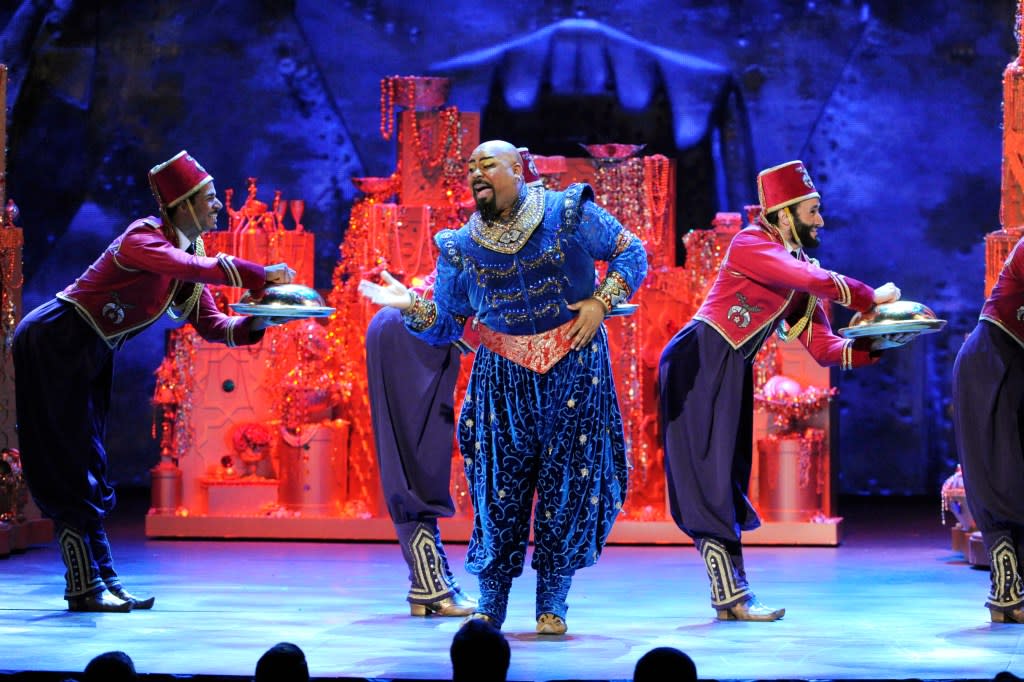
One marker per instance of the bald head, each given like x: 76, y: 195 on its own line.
x: 498, y: 148
x: 495, y: 177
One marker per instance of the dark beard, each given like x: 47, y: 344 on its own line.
x: 803, y: 231
x: 488, y: 207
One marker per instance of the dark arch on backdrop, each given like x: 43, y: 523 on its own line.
x: 578, y: 81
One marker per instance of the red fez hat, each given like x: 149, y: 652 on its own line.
x: 784, y: 185
x: 530, y: 174
x: 175, y: 180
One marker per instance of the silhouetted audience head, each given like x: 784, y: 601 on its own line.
x: 112, y: 666
x: 283, y: 662
x: 479, y: 653
x: 1006, y: 677
x: 665, y: 663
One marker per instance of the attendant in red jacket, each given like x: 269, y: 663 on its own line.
x: 766, y: 284
x: 988, y: 406
x: 64, y: 360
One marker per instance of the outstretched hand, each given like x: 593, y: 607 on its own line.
x: 887, y: 293
x: 588, y: 321
x: 394, y: 293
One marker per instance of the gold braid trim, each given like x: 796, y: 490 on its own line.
x: 845, y: 297
x: 232, y: 325
x: 1007, y: 592
x: 227, y: 264
x: 787, y: 333
x: 728, y: 588
x: 197, y: 290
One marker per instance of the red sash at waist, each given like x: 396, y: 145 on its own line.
x: 536, y: 352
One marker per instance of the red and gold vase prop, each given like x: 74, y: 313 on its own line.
x: 792, y: 472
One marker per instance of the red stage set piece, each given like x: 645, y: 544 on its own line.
x: 639, y: 191
x: 431, y: 147
x: 263, y: 234
x: 21, y: 524
x: 325, y: 484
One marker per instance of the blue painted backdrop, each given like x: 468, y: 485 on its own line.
x: 895, y: 108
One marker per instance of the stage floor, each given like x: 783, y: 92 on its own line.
x: 893, y: 601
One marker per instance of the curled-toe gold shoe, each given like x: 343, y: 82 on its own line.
x: 752, y: 610
x: 479, y: 616
x: 1014, y: 616
x: 550, y: 624
x: 102, y: 601
x: 136, y: 602
x: 456, y: 605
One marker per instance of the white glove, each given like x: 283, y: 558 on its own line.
x: 395, y: 294
x: 887, y: 293
x: 887, y: 341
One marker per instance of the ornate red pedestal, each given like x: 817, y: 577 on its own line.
x: 301, y: 489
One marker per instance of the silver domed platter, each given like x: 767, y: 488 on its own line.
x: 284, y: 300
x: 898, y: 317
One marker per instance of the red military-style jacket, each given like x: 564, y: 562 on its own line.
x: 1005, y: 305
x: 142, y: 274
x: 761, y: 283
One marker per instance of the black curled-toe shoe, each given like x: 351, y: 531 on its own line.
x: 99, y: 602
x: 751, y: 610
x: 136, y: 602
x: 456, y: 605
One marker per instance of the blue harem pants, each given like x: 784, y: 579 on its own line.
x: 557, y: 435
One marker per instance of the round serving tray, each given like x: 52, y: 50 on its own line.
x: 293, y: 311
x: 885, y: 328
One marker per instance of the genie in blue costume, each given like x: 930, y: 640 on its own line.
x: 540, y: 414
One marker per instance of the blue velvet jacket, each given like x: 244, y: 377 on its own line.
x: 524, y: 287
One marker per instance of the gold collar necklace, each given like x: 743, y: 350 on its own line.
x: 508, y: 235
